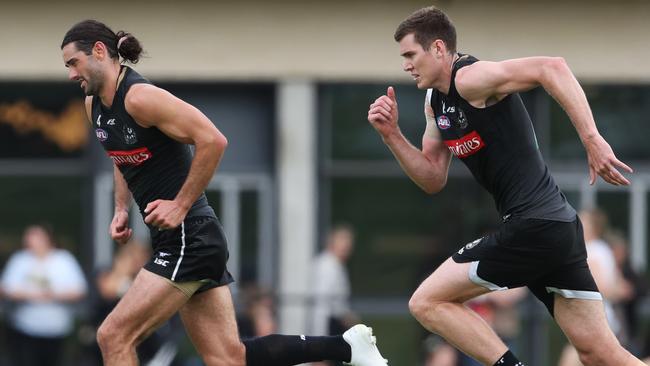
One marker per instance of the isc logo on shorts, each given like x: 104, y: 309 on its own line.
x: 470, y: 245
x: 161, y: 262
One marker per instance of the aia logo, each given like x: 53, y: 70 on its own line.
x: 465, y: 146
x: 443, y: 122
x: 101, y: 134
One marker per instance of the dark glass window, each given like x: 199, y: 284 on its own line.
x: 621, y: 114
x: 403, y: 234
x: 344, y: 112
x: 42, y: 120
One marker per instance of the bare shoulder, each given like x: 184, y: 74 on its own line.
x: 149, y: 104
x: 428, y: 109
x: 140, y: 95
x: 427, y: 98
x: 472, y: 75
x: 522, y: 69
x: 484, y: 83
x: 88, y: 104
x: 146, y: 104
x: 431, y: 131
x: 473, y: 82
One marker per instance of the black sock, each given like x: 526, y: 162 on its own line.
x: 508, y: 359
x: 285, y: 350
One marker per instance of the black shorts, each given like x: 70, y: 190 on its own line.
x: 548, y: 257
x: 194, y: 251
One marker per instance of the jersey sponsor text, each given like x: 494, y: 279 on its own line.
x: 130, y: 157
x: 467, y: 145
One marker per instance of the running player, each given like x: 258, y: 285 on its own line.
x: 473, y: 111
x: 145, y: 131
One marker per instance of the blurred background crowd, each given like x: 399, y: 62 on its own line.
x: 324, y: 228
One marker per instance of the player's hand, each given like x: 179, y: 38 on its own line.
x: 603, y: 162
x: 119, y: 229
x: 383, y: 114
x: 164, y: 214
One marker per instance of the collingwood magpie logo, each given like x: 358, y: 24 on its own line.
x: 129, y: 135
x: 462, y: 119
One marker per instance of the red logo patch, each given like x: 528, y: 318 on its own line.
x: 466, y: 145
x: 131, y: 157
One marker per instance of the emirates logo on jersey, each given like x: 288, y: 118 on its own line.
x: 466, y: 146
x: 131, y: 157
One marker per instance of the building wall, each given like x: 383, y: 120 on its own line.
x: 327, y: 40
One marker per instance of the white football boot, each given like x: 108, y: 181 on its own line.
x: 364, y: 347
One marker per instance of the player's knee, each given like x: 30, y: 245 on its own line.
x: 109, y: 337
x: 417, y: 305
x: 104, y: 336
x: 423, y: 308
x: 234, y: 355
x: 594, y: 355
x: 429, y: 311
x: 590, y: 357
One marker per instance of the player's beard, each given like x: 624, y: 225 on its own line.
x: 94, y: 82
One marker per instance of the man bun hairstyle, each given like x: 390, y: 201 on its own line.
x: 121, y: 44
x: 128, y: 47
x: 427, y: 25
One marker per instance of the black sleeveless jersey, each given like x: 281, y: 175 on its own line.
x: 154, y: 165
x: 498, y: 145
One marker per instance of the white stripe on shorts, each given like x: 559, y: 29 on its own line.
x: 178, y: 264
x: 474, y: 277
x: 576, y: 294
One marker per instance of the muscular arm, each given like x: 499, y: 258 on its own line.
x: 428, y: 167
x: 484, y: 83
x: 122, y: 193
x: 154, y: 107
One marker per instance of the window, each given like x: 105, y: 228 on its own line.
x: 621, y: 114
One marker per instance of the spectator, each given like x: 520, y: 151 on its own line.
x: 331, y: 285
x: 40, y: 281
x: 609, y: 279
x: 258, y: 316
x: 629, y: 307
x: 500, y: 311
x: 113, y: 283
x: 439, y: 353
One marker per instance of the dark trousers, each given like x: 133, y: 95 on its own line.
x: 26, y: 350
